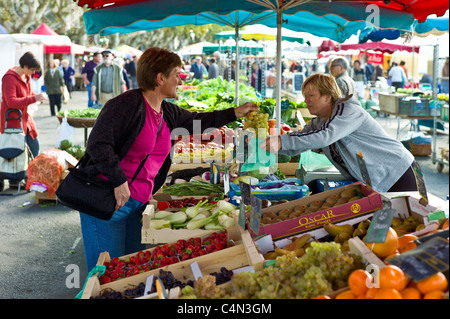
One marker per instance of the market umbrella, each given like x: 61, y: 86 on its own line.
x: 431, y: 26
x: 129, y: 51
x: 154, y: 14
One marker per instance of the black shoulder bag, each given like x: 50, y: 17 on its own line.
x: 89, y: 194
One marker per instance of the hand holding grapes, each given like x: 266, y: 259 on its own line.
x: 246, y: 108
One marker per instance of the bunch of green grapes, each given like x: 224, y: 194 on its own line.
x: 205, y: 287
x: 322, y: 269
x: 257, y: 123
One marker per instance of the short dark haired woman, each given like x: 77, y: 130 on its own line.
x: 125, y: 132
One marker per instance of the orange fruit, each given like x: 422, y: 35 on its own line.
x: 396, y: 253
x: 357, y: 282
x: 402, y: 240
x: 435, y: 294
x: 387, y: 293
x: 408, y: 246
x: 322, y: 297
x: 382, y: 250
x: 445, y: 225
x: 347, y: 294
x: 371, y: 292
x: 392, y: 277
x: 411, y: 293
x: 438, y: 281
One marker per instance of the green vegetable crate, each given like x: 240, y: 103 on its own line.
x: 243, y: 253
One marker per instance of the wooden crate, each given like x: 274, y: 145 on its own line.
x: 165, y: 235
x: 244, y: 253
x: 42, y: 197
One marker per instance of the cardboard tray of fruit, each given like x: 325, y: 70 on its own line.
x: 314, y: 211
x: 242, y: 253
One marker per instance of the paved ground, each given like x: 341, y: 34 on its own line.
x: 41, y: 244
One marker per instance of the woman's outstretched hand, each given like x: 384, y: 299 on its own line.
x: 245, y: 108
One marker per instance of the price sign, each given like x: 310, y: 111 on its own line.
x: 379, y: 227
x: 242, y: 209
x: 245, y: 193
x: 255, y: 215
x: 425, y: 260
x: 420, y: 184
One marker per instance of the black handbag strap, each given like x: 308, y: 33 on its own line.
x: 145, y: 159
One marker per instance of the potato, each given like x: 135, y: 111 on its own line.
x: 284, y: 212
x: 326, y: 205
x: 269, y: 215
x: 332, y: 199
x: 266, y: 220
x: 342, y: 200
x: 311, y: 210
x: 300, y: 208
x: 295, y: 214
x: 316, y: 204
x: 354, y: 198
x: 348, y: 193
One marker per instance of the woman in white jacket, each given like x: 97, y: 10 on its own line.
x: 342, y: 129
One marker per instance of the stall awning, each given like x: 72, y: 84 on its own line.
x: 380, y: 46
x: 64, y: 49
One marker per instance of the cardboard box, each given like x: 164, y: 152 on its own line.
x: 408, y: 205
x: 244, y: 253
x: 389, y: 102
x: 370, y: 202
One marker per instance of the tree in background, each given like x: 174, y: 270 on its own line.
x: 66, y: 18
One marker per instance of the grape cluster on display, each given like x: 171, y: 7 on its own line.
x: 322, y: 269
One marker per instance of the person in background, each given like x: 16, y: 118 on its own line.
x: 359, y: 77
x: 130, y: 67
x: 131, y: 126
x: 54, y: 84
x: 107, y: 81
x: 377, y: 72
x: 368, y: 71
x: 213, y: 71
x: 69, y: 73
x: 88, y: 73
x: 17, y: 94
x: 198, y: 68
x: 342, y: 129
x: 227, y: 71
x: 37, y: 82
x: 256, y: 77
x: 338, y: 69
x: 445, y: 75
x: 397, y: 75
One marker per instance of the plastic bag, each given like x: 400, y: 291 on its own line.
x: 313, y: 161
x: 65, y: 132
x: 259, y: 162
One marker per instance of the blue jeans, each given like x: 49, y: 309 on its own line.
x: 121, y: 235
x: 88, y: 87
